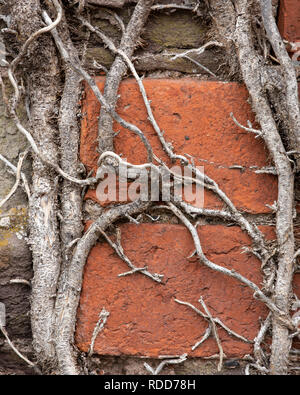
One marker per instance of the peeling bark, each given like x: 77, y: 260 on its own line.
x: 284, y: 216
x: 71, y: 201
x: 71, y: 226
x: 42, y: 78
x: 290, y: 95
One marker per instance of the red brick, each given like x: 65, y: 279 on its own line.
x: 289, y: 19
x: 144, y: 319
x: 195, y: 118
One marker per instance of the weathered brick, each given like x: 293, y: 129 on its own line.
x: 195, y: 118
x: 289, y: 19
x: 144, y: 318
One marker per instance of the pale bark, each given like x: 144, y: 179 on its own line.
x: 284, y: 216
x: 291, y: 100
x: 71, y: 227
x: 42, y: 85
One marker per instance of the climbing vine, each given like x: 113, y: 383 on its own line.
x: 46, y: 70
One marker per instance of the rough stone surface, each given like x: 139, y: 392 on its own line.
x: 289, y: 19
x: 15, y: 257
x: 15, y: 262
x: 144, y: 318
x: 195, y: 116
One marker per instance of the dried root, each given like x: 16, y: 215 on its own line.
x: 60, y: 250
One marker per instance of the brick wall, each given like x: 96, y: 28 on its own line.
x: 145, y: 319
x: 289, y: 20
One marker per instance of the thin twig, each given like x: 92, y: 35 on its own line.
x: 261, y: 369
x: 166, y: 146
x: 159, y: 368
x: 199, y: 65
x: 206, y: 335
x: 132, y: 220
x: 252, y: 73
x: 231, y: 332
x: 33, y: 144
x: 88, y: 181
x: 103, y: 316
x: 232, y: 273
x: 14, y: 169
x: 291, y: 99
x: 158, y: 7
x: 120, y: 252
x: 71, y: 244
x: 20, y: 281
x: 149, y: 166
x: 194, y: 211
x: 297, y: 253
x: 251, y: 229
x: 18, y: 177
x: 215, y: 333
x: 31, y: 364
x: 216, y: 320
x: 197, y: 51
x: 36, y: 34
x: 258, y: 133
x: 204, y: 180
x: 258, y: 353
